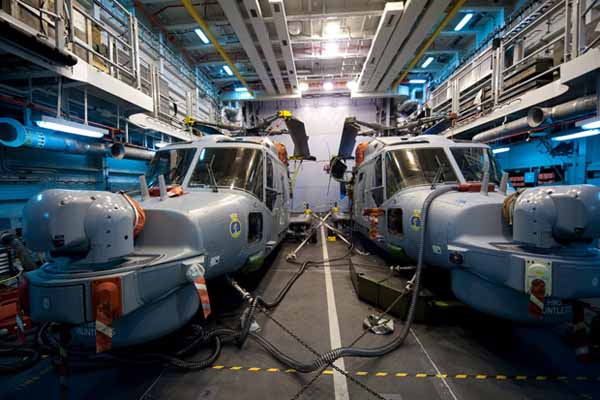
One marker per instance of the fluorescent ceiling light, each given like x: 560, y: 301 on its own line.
x: 427, y: 62
x: 227, y: 70
x: 351, y: 85
x: 332, y: 29
x: 241, y: 89
x: 303, y: 86
x: 501, y: 150
x: 464, y: 21
x: 328, y: 85
x: 577, y: 135
x: 330, y: 49
x: 63, y: 125
x: 201, y: 35
x: 160, y: 145
x: 417, y: 81
x: 590, y: 123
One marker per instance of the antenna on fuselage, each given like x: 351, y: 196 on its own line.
x: 144, y: 188
x: 504, y: 183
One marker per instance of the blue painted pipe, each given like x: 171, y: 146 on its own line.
x: 15, y: 134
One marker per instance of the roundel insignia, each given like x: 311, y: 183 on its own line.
x: 235, y: 226
x: 415, y: 221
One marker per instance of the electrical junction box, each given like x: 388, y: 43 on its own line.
x: 538, y: 272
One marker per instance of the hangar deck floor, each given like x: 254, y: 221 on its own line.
x: 473, y: 357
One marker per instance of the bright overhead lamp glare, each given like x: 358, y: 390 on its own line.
x: 328, y: 85
x: 427, y: 62
x: 501, y: 150
x: 303, y: 86
x: 227, y: 70
x: 160, y: 145
x: 351, y: 85
x: 241, y: 89
x: 332, y: 29
x: 590, y: 123
x: 417, y: 81
x: 201, y: 35
x: 331, y: 49
x: 63, y: 125
x: 464, y: 21
x: 577, y: 135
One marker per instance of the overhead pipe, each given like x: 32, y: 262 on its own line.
x: 215, y: 42
x: 453, y: 11
x: 538, y: 116
x: 119, y: 151
x: 15, y: 134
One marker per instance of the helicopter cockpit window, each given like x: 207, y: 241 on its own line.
x: 172, y: 164
x: 412, y: 167
x: 377, y: 189
x: 471, y: 162
x: 230, y: 167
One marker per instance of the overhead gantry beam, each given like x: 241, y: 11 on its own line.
x: 281, y: 26
x: 391, y: 15
x: 258, y: 23
x: 234, y: 15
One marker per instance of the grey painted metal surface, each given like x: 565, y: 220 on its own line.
x: 553, y: 234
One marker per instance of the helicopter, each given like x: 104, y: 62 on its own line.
x: 528, y: 256
x: 126, y: 269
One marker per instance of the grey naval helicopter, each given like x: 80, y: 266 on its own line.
x: 137, y: 269
x: 527, y: 256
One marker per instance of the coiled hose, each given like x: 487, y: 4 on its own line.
x: 332, y: 355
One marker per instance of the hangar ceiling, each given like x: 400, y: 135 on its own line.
x: 329, y: 39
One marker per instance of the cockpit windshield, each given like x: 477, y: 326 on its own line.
x: 420, y: 166
x: 471, y: 161
x: 230, y: 167
x: 172, y: 164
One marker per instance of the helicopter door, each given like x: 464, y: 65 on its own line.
x: 359, y: 197
x: 273, y: 198
x: 376, y: 189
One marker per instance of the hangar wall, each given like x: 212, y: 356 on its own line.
x: 324, y: 120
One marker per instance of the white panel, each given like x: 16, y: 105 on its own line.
x: 280, y: 20
x: 434, y: 13
x: 233, y: 14
x: 264, y: 40
x: 389, y: 19
x: 412, y: 10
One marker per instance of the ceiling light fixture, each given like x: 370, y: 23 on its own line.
x: 160, y: 145
x: 303, y: 86
x: 63, y: 125
x: 351, y: 85
x: 201, y: 35
x: 328, y: 85
x: 227, y: 70
x: 590, y: 123
x: 501, y: 150
x: 463, y: 22
x: 332, y: 29
x: 427, y: 62
x: 241, y: 89
x: 417, y: 81
x: 577, y: 135
x: 330, y: 49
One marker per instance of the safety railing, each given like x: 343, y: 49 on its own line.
x: 525, y: 54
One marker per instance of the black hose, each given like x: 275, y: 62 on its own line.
x: 25, y: 358
x: 332, y: 355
